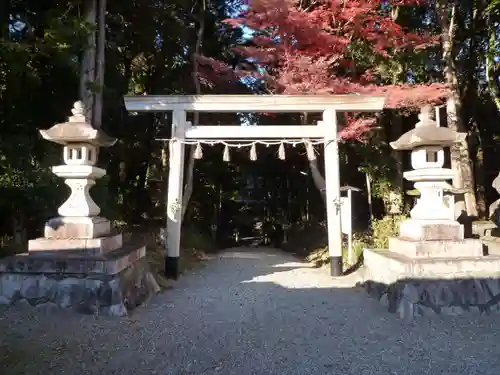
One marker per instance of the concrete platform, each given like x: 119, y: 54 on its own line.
x: 113, y: 283
x: 73, y: 263
x: 387, y: 266
x: 413, y: 287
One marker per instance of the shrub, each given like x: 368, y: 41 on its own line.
x: 383, y: 229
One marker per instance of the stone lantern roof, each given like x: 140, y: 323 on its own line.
x: 77, y: 130
x: 427, y: 133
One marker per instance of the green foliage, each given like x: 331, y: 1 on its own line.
x: 376, y: 238
x: 40, y: 54
x: 149, y: 49
x: 359, y: 242
x: 376, y: 159
x: 313, y: 240
x: 102, y: 196
x: 383, y: 229
x: 196, y: 238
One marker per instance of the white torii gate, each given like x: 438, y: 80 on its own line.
x: 182, y: 130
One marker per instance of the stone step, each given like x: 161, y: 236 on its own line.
x: 78, y: 246
x: 480, y: 228
x: 433, y: 249
x: 63, y: 262
x: 492, y: 232
x: 491, y: 245
x: 387, y: 266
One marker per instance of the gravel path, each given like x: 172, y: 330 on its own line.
x: 254, y: 311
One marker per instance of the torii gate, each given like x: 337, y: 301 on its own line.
x: 182, y: 130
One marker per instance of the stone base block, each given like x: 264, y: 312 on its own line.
x: 77, y: 227
x: 58, y: 263
x: 431, y: 230
x: 480, y: 228
x: 492, y: 232
x: 115, y: 295
x: 410, y: 299
x: 491, y: 245
x: 90, y: 246
x: 415, y: 287
x: 387, y: 266
x: 430, y: 249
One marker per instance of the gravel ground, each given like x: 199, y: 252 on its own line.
x: 249, y: 312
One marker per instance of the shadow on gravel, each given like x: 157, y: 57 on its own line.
x: 252, y: 313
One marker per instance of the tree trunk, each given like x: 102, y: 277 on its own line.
x: 470, y: 96
x: 19, y: 229
x: 460, y: 160
x: 492, y: 75
x: 100, y: 61
x: 88, y: 68
x: 319, y: 180
x: 394, y: 205
x: 188, y: 189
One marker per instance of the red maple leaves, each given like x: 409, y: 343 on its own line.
x: 326, y: 47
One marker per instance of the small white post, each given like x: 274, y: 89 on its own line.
x: 332, y: 181
x: 350, y: 256
x: 174, y: 197
x: 346, y: 220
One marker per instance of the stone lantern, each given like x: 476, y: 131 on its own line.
x: 431, y: 267
x: 80, y: 264
x: 426, y: 143
x: 79, y: 213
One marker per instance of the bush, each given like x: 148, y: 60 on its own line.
x: 311, y: 242
x: 383, y: 229
x: 378, y: 236
x: 360, y: 241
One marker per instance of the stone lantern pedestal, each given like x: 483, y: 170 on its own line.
x: 80, y: 263
x: 489, y: 231
x: 430, y: 267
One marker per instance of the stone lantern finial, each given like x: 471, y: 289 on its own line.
x: 78, y: 112
x: 78, y: 108
x: 425, y: 117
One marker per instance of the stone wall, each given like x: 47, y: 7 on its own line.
x: 91, y: 294
x: 411, y: 298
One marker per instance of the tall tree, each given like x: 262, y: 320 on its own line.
x: 188, y: 190
x: 460, y: 158
x: 492, y: 15
x: 328, y: 47
x: 335, y: 47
